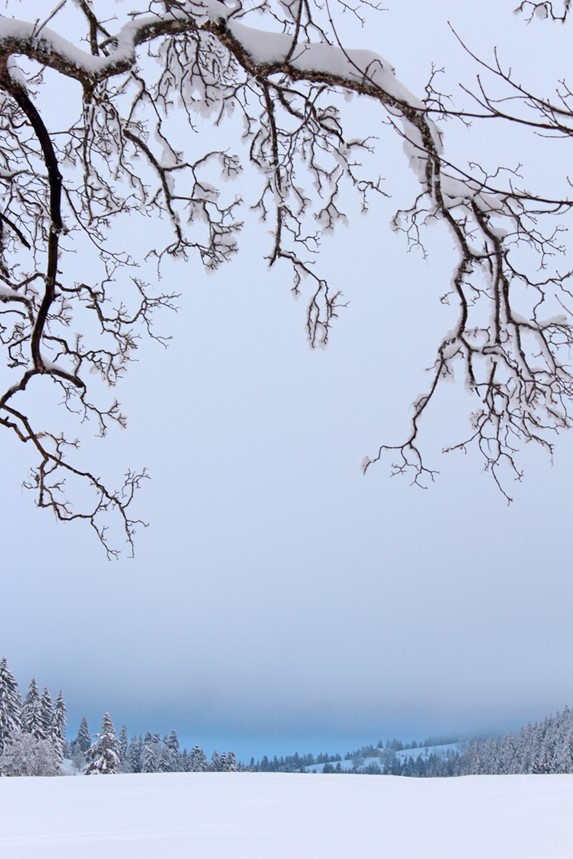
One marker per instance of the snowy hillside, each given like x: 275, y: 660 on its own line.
x: 280, y: 816
x: 369, y: 763
x: 441, y: 750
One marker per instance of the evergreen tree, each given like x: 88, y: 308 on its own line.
x: 31, y: 711
x: 103, y: 756
x: 122, y: 748
x: 148, y: 756
x: 197, y: 760
x: 83, y: 738
x: 10, y: 705
x: 58, y: 728
x: 134, y: 755
x: 165, y: 761
x: 80, y: 745
x: 170, y: 755
x: 46, y: 714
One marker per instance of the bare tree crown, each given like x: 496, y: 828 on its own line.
x: 67, y: 187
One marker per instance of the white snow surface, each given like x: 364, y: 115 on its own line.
x: 281, y: 816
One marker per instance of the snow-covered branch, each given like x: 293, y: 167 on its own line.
x: 123, y: 157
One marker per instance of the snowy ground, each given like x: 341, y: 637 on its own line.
x: 278, y: 816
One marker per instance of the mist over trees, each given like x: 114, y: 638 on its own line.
x: 543, y: 747
x: 33, y: 743
x: 274, y: 77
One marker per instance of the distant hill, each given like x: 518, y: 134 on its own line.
x: 543, y: 747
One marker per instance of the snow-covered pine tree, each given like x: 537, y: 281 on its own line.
x: 58, y: 727
x: 103, y: 755
x: 564, y: 751
x: 148, y: 755
x: 46, y: 714
x: 83, y: 738
x: 80, y: 745
x: 184, y: 765
x: 31, y: 711
x: 134, y: 754
x: 165, y: 763
x: 122, y: 748
x: 10, y: 705
x: 197, y: 760
x: 169, y: 760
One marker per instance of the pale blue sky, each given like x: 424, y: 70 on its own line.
x: 280, y: 600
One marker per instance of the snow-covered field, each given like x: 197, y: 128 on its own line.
x: 279, y: 816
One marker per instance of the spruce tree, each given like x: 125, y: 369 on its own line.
x: 170, y: 755
x: 83, y: 738
x: 148, y: 756
x: 46, y: 714
x: 134, y: 754
x: 122, y: 749
x: 58, y: 727
x: 31, y: 711
x: 197, y: 760
x: 10, y: 705
x: 103, y: 755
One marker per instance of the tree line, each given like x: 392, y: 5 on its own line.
x: 32, y: 730
x: 543, y: 747
x: 148, y: 753
x: 33, y: 741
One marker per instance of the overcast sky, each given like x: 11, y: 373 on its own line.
x: 279, y: 600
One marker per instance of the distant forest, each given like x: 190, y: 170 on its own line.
x: 542, y: 747
x: 33, y: 742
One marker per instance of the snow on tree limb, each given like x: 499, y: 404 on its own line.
x: 68, y: 187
